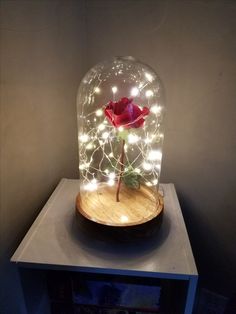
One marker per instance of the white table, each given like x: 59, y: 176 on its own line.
x: 56, y: 241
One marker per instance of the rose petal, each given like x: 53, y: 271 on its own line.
x: 145, y: 111
x: 122, y: 120
x: 109, y: 115
x: 125, y: 113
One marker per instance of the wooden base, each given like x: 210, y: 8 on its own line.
x: 113, y: 235
x: 136, y: 207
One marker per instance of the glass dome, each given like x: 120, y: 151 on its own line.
x: 120, y: 109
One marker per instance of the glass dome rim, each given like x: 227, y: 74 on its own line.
x: 125, y: 58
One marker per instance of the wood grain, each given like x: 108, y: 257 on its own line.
x: 135, y: 206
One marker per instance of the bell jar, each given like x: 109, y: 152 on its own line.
x: 120, y: 110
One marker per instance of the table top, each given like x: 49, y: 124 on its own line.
x: 57, y: 241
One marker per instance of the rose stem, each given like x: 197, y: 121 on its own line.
x: 121, y: 169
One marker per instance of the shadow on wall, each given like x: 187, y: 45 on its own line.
x: 209, y: 251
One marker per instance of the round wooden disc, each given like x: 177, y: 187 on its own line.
x: 135, y: 206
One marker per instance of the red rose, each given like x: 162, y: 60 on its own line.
x: 125, y: 113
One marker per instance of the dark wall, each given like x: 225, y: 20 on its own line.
x: 46, y: 47
x: 192, y: 46
x: 42, y: 61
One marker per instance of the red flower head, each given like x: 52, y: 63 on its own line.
x: 125, y: 113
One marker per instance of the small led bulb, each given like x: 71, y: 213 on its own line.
x: 99, y: 113
x: 114, y: 89
x: 97, y: 90
x: 134, y: 91
x: 149, y: 93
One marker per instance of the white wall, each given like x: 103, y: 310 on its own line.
x: 42, y: 61
x: 192, y: 45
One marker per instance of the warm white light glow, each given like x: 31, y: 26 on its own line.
x: 111, y: 155
x: 120, y: 128
x: 99, y: 113
x: 101, y: 127
x: 148, y: 183
x: 148, y: 76
x: 97, y: 90
x: 112, y: 175
x: 137, y: 170
x: 111, y: 182
x: 106, y: 171
x: 114, y: 89
x: 149, y: 93
x: 105, y: 135
x: 84, y: 138
x: 134, y: 91
x: 91, y: 186
x: 89, y: 146
x: 155, y: 181
x: 84, y: 166
x: 154, y: 155
x: 147, y: 166
x: 148, y: 140
x: 155, y: 109
x: 124, y: 218
x: 133, y: 138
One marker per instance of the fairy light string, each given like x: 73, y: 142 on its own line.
x: 99, y: 154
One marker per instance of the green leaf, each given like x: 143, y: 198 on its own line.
x: 131, y: 178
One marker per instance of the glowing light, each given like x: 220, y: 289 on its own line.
x: 155, y: 181
x: 111, y: 182
x: 137, y: 170
x: 154, y: 155
x: 97, y: 90
x: 124, y: 218
x: 84, y: 166
x: 84, y: 138
x: 149, y: 93
x: 89, y: 146
x: 106, y: 171
x: 112, y: 175
x: 111, y: 155
x: 99, y: 113
x: 148, y: 140
x: 91, y: 186
x: 155, y: 109
x: 120, y: 128
x: 105, y: 135
x: 114, y: 89
x: 148, y: 183
x: 161, y: 135
x: 134, y: 91
x: 147, y: 166
x: 149, y: 77
x: 101, y: 127
x: 133, y: 138
x: 126, y: 147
